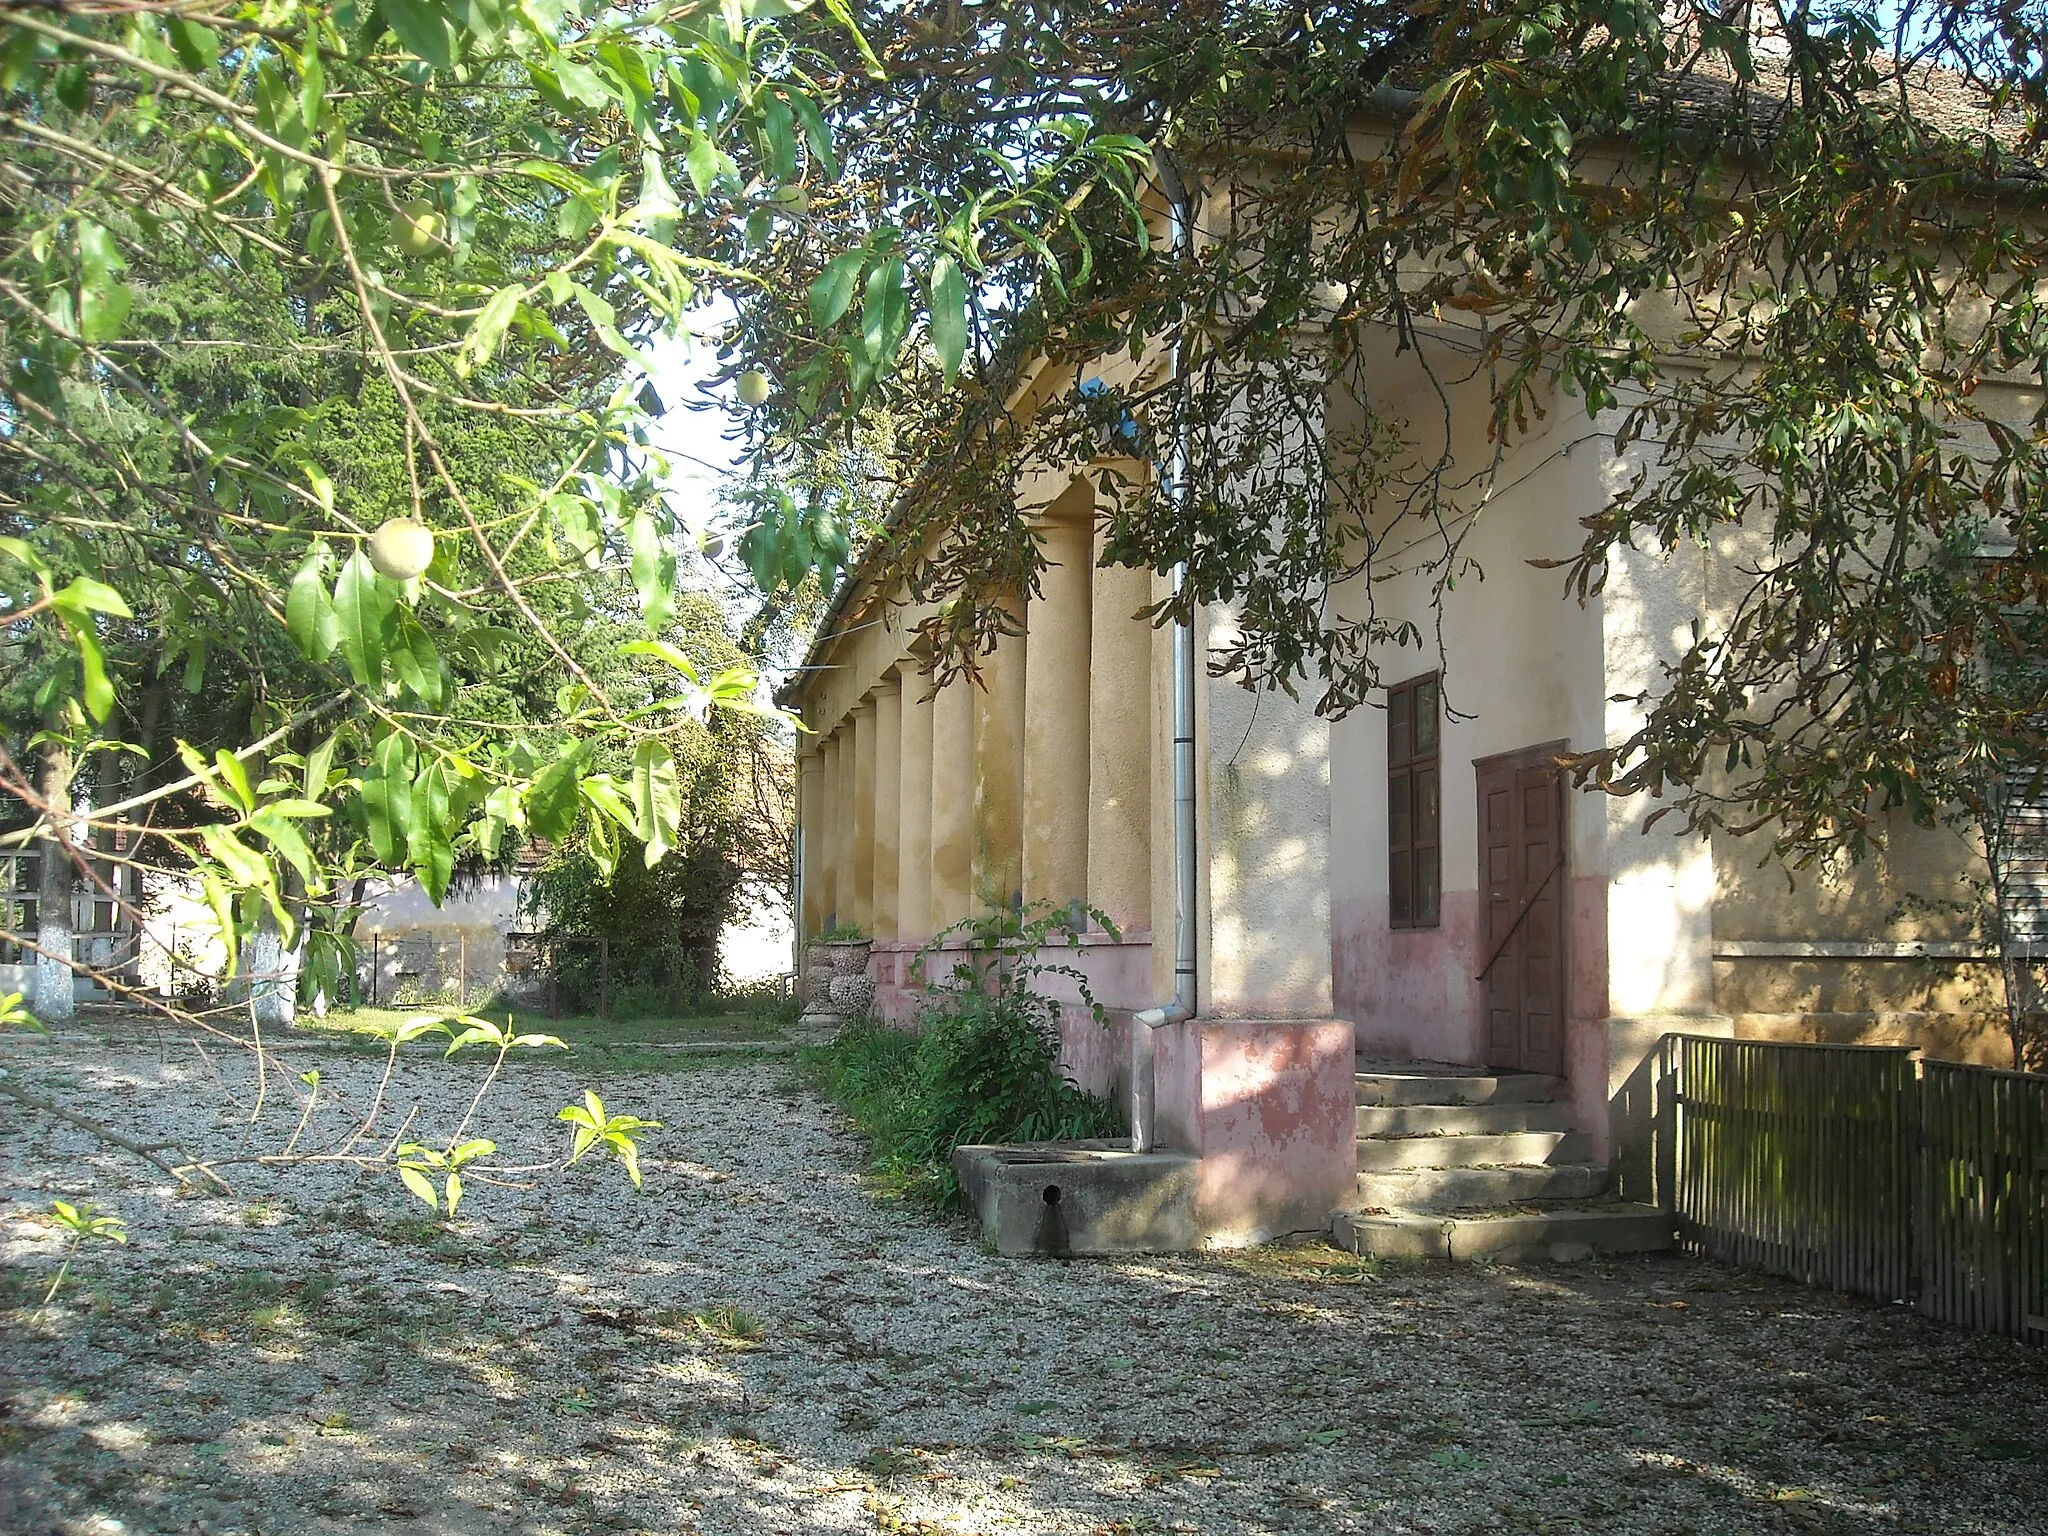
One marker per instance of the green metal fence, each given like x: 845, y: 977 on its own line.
x: 1865, y: 1170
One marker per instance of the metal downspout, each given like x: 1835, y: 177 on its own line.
x: 1145, y: 1026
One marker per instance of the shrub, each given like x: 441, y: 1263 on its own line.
x: 984, y: 1068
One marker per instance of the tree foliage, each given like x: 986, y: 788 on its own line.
x: 272, y: 275
x: 1783, y: 257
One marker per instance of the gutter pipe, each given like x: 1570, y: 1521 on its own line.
x: 1146, y: 1025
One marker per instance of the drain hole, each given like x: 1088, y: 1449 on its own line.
x: 1052, y: 1194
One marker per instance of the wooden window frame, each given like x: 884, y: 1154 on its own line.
x: 1410, y: 766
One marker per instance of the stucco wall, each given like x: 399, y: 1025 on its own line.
x: 423, y: 953
x: 1521, y: 665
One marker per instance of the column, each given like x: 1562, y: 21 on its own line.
x: 999, y: 776
x: 810, y: 788
x: 914, y: 811
x: 860, y: 904
x: 1056, y: 708
x: 1121, y: 731
x: 888, y: 805
x: 1268, y: 834
x: 833, y: 841
x: 952, y: 836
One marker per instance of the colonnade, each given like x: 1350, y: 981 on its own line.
x: 920, y: 808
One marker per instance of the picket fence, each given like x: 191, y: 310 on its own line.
x: 1865, y: 1169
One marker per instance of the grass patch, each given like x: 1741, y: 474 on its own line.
x: 978, y: 1072
x: 734, y: 1327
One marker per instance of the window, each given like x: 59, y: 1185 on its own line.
x: 1414, y: 805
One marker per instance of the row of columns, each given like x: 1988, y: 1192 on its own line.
x: 922, y: 808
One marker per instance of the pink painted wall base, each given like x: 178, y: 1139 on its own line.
x: 1267, y: 1103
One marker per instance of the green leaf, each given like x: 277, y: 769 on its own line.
x: 99, y: 692
x: 422, y: 27
x: 703, y: 162
x: 665, y: 651
x: 318, y: 764
x: 427, y: 832
x: 843, y: 14
x: 778, y: 127
x: 555, y: 798
x: 82, y: 595
x: 657, y: 798
x: 602, y: 791
x: 197, y: 46
x: 364, y: 609
x: 488, y: 329
x: 884, y: 313
x: 832, y: 293
x: 815, y: 131
x: 949, y: 314
x: 222, y: 906
x: 420, y: 1184
x: 102, y: 306
x: 236, y: 777
x: 298, y: 810
x: 387, y: 799
x: 416, y: 662
x: 454, y: 1191
x: 248, y: 867
x: 581, y: 83
x: 654, y: 568
x: 285, y: 838
x: 98, y: 255
x: 309, y: 614
x: 418, y: 1025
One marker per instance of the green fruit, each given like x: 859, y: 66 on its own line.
x: 792, y: 200
x: 755, y: 387
x: 402, y: 548
x: 416, y: 227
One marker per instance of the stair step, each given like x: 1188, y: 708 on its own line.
x: 1460, y: 1119
x: 1389, y: 1154
x: 1451, y: 1189
x: 1508, y: 1237
x: 1446, y: 1088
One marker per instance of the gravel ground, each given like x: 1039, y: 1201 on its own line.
x: 312, y: 1356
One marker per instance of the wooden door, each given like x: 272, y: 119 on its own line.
x: 1522, y: 885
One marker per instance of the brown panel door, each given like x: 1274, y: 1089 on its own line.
x: 1522, y: 890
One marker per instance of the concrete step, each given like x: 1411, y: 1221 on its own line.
x: 1453, y: 1189
x: 1389, y: 1154
x: 1460, y: 1119
x: 1506, y: 1237
x: 1447, y: 1088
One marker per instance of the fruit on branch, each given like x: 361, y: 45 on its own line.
x: 755, y: 387
x: 401, y: 548
x: 416, y: 227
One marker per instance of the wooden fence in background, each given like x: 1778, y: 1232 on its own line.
x: 1865, y: 1169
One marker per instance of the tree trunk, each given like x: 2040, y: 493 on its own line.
x: 54, y: 993
x: 271, y: 966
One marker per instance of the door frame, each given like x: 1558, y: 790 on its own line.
x: 1536, y: 756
